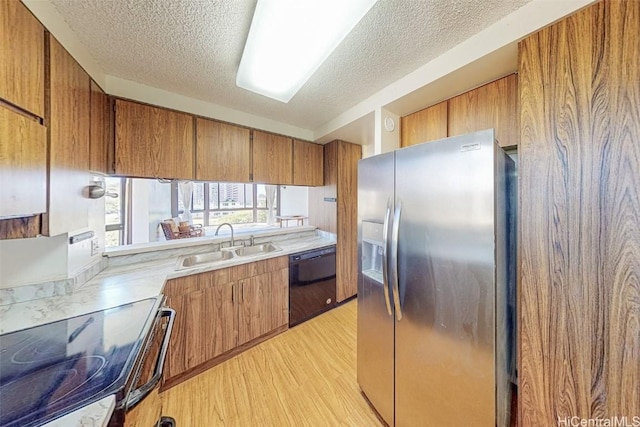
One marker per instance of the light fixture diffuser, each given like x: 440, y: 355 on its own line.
x: 289, y: 39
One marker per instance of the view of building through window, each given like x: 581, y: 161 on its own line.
x: 213, y: 203
x: 134, y: 216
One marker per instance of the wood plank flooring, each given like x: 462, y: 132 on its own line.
x: 305, y: 376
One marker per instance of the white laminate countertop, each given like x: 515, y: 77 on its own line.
x: 123, y: 282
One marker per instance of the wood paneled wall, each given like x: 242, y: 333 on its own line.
x: 333, y: 208
x: 580, y: 217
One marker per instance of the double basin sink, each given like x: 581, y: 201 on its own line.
x: 191, y: 261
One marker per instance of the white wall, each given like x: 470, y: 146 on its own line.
x: 79, y: 254
x: 43, y: 259
x: 26, y: 261
x: 294, y: 200
x: 140, y: 211
x: 151, y: 205
x: 159, y: 195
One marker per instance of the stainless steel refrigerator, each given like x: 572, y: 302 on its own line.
x: 436, y: 291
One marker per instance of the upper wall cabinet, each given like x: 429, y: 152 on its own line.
x: 152, y: 142
x: 23, y: 165
x: 99, y: 129
x: 223, y: 152
x: 493, y: 105
x: 69, y: 137
x: 425, y: 125
x: 307, y: 164
x: 272, y: 158
x: 21, y: 57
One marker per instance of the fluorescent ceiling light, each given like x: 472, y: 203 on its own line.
x: 289, y: 39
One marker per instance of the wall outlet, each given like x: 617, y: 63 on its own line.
x: 95, y: 246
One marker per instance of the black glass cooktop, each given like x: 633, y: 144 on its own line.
x: 50, y: 370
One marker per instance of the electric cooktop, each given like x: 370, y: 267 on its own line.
x: 50, y: 370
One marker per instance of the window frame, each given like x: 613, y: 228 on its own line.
x: 175, y: 212
x: 120, y: 227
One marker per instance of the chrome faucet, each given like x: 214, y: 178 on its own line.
x: 233, y: 243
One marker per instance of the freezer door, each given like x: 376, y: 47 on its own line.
x: 444, y: 369
x: 375, y: 321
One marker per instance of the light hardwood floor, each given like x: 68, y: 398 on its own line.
x: 305, y: 376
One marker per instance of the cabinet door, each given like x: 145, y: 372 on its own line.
x: 218, y: 325
x: 23, y: 165
x: 67, y: 208
x: 205, y: 325
x: 21, y: 57
x: 253, y: 307
x: 263, y: 305
x: 347, y: 242
x: 99, y: 139
x: 493, y: 105
x: 153, y: 142
x: 223, y: 152
x: 178, y: 292
x: 424, y: 125
x: 279, y: 298
x: 272, y: 159
x: 308, y: 160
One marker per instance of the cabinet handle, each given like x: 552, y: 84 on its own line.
x: 233, y: 293
x: 242, y: 283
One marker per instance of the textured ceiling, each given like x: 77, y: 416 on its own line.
x: 193, y: 47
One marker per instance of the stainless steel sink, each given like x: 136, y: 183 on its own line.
x: 258, y: 249
x: 195, y: 260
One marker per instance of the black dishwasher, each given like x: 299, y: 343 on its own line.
x: 312, y: 283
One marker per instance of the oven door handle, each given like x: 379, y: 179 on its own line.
x: 141, y: 392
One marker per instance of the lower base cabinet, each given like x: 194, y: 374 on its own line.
x: 264, y: 304
x: 221, y: 312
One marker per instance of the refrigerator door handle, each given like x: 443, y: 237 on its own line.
x: 394, y: 259
x: 385, y: 257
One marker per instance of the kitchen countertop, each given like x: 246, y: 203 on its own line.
x: 128, y: 282
x: 132, y: 277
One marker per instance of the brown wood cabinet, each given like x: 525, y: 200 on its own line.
x: 23, y: 165
x: 333, y: 208
x: 425, y: 125
x: 68, y: 135
x: 308, y: 164
x: 100, y: 135
x: 21, y: 58
x: 272, y: 158
x: 263, y: 304
x: 223, y: 152
x: 223, y: 312
x: 493, y: 105
x: 579, y: 240
x: 153, y: 142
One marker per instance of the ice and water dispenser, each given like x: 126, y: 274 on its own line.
x: 372, y: 250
